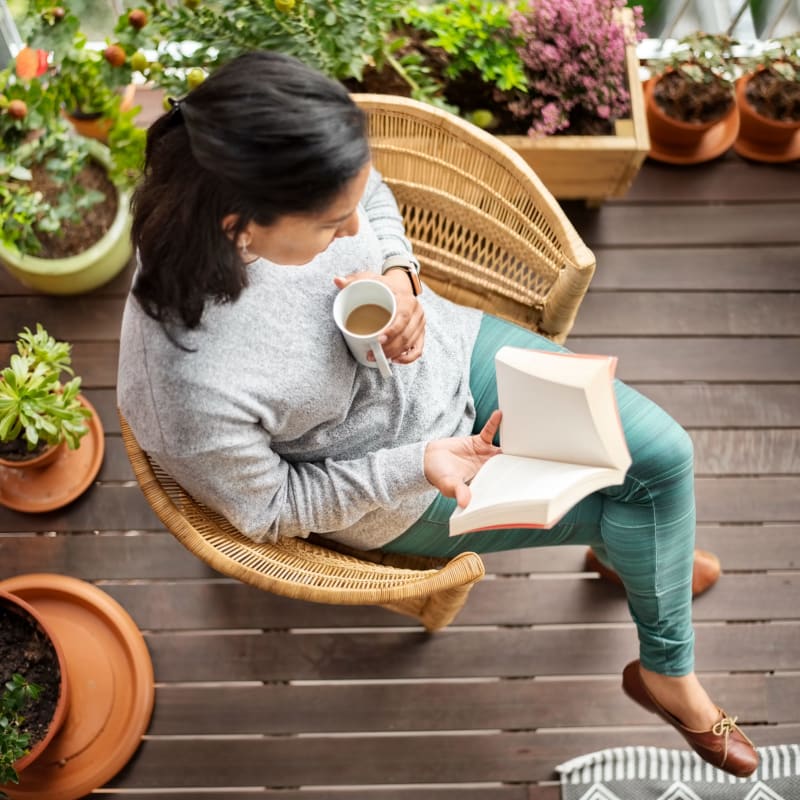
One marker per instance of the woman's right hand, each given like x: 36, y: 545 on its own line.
x: 451, y: 463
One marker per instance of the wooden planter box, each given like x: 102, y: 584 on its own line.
x: 593, y: 167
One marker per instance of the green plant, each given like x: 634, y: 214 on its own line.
x: 774, y: 87
x: 338, y: 37
x: 57, y: 72
x: 701, y: 58
x: 477, y: 37
x: 781, y: 57
x: 81, y: 77
x: 37, y: 141
x: 696, y: 83
x: 13, y: 742
x: 35, y: 407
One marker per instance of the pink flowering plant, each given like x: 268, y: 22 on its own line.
x: 574, y: 57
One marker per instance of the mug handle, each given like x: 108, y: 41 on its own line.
x: 380, y: 360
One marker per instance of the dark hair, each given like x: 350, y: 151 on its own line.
x: 262, y: 136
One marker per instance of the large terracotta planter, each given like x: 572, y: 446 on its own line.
x: 674, y: 141
x: 762, y: 138
x: 19, y: 607
x: 110, y: 677
x: 103, y: 261
x: 593, y: 167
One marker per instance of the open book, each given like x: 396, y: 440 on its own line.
x: 561, y: 437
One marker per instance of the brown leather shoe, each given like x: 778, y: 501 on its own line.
x: 705, y: 574
x: 723, y: 745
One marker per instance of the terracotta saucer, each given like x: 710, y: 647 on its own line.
x: 713, y: 143
x: 60, y: 482
x: 111, y: 684
x: 789, y: 152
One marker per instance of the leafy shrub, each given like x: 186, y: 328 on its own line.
x: 476, y: 35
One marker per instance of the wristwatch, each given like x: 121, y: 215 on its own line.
x: 409, y: 265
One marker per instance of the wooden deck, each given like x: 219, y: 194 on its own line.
x: 258, y: 697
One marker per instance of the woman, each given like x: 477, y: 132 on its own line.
x: 258, y: 205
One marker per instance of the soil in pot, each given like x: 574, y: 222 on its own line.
x: 92, y: 223
x: 17, y: 450
x: 774, y: 98
x: 688, y: 101
x: 25, y: 649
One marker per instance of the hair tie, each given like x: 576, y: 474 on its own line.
x: 175, y: 113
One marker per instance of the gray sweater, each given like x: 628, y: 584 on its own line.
x: 272, y: 423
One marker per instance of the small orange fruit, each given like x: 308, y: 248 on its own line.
x: 17, y: 109
x: 115, y: 55
x: 137, y: 18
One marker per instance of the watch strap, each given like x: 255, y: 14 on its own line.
x: 409, y: 265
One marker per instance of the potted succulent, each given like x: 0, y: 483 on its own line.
x: 691, y: 109
x: 51, y: 438
x: 34, y: 689
x: 768, y: 97
x: 38, y: 413
x: 485, y: 59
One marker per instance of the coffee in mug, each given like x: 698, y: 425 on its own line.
x: 367, y: 319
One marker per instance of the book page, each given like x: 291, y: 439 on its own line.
x: 519, y: 491
x: 505, y: 479
x: 559, y: 407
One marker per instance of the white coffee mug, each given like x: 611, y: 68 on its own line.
x: 362, y: 311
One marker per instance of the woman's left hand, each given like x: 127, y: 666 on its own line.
x: 403, y: 340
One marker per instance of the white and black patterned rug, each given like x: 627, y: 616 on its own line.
x: 655, y: 773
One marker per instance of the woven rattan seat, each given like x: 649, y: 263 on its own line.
x: 488, y: 235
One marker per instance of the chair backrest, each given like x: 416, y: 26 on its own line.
x: 486, y: 230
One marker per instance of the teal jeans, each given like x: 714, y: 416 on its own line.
x: 643, y: 529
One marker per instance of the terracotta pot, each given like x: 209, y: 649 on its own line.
x: 47, y: 456
x: 762, y: 138
x: 677, y: 142
x: 96, y: 126
x: 20, y: 607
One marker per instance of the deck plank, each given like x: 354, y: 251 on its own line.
x: 309, y: 760
x: 469, y: 653
x: 512, y: 601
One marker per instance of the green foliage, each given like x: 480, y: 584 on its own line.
x: 476, y: 36
x: 13, y: 742
x: 82, y: 78
x: 780, y: 57
x: 43, y: 138
x: 34, y: 405
x: 701, y: 58
x: 338, y: 37
x: 76, y: 78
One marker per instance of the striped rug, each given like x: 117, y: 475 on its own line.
x: 655, y: 773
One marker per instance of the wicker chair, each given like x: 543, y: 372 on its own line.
x: 487, y: 234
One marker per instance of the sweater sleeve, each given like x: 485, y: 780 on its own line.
x: 265, y: 496
x: 381, y: 208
